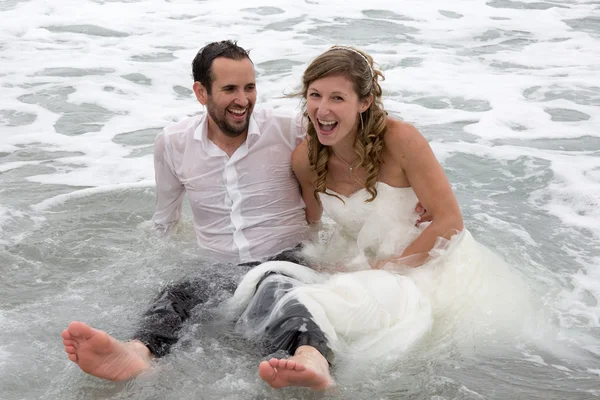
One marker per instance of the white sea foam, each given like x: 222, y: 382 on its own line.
x: 17, y: 164
x: 78, y: 194
x: 6, y: 215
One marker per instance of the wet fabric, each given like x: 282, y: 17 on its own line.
x: 288, y: 329
x: 363, y: 312
x: 162, y: 322
x: 246, y: 207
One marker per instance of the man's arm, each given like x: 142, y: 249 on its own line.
x: 169, y: 189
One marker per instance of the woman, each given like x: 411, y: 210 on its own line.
x: 367, y: 171
x: 354, y: 148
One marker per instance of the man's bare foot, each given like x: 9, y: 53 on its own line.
x: 306, y: 368
x: 99, y: 354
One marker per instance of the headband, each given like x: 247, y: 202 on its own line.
x: 357, y: 52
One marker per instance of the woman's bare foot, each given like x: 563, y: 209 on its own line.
x: 306, y: 368
x: 99, y: 354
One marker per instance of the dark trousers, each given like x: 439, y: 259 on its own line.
x: 161, y: 323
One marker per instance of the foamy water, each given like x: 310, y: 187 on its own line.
x: 507, y: 91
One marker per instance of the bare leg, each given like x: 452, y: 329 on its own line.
x: 99, y: 354
x: 306, y: 368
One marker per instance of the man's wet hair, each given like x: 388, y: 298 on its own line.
x: 202, y: 64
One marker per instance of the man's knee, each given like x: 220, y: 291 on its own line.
x: 179, y: 298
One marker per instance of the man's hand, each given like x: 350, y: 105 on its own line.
x: 378, y: 264
x: 424, y: 215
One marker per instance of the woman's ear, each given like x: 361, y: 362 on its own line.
x: 366, y: 103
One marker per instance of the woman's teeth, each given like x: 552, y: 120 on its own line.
x: 327, y: 126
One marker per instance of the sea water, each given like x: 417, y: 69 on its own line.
x: 506, y: 91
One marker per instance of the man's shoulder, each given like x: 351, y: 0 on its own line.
x: 268, y: 115
x: 282, y: 122
x: 184, y: 126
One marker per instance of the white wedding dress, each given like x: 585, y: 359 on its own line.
x: 373, y: 313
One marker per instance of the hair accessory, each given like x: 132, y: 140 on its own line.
x: 357, y: 52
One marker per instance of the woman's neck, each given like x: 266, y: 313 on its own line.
x: 345, y: 149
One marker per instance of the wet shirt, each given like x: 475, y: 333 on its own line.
x: 245, y: 207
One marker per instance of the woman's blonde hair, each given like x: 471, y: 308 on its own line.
x: 356, y: 66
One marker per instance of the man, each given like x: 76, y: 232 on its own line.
x: 235, y: 165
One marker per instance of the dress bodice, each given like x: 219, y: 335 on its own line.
x: 397, y: 203
x: 370, y: 230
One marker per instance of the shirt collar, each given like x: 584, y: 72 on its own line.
x: 253, y: 131
x: 201, y: 131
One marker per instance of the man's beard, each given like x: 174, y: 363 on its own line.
x: 224, y: 125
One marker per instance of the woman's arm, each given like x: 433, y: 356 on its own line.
x: 306, y: 177
x: 410, y: 151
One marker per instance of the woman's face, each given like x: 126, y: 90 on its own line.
x: 333, y: 107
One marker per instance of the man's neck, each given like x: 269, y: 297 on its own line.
x: 226, y: 143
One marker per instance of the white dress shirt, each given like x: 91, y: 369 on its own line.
x: 245, y: 208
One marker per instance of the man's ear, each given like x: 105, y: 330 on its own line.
x: 366, y: 103
x: 200, y: 92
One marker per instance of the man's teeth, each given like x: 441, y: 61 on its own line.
x: 327, y: 122
x: 238, y: 112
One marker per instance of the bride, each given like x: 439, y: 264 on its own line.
x: 354, y: 149
x: 367, y: 170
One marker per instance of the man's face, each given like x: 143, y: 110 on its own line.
x: 233, y: 95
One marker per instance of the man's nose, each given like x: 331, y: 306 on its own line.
x: 241, y: 98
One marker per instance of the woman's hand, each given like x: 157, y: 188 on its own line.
x: 424, y: 215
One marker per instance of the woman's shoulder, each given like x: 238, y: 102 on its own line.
x: 301, y: 151
x: 400, y: 134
